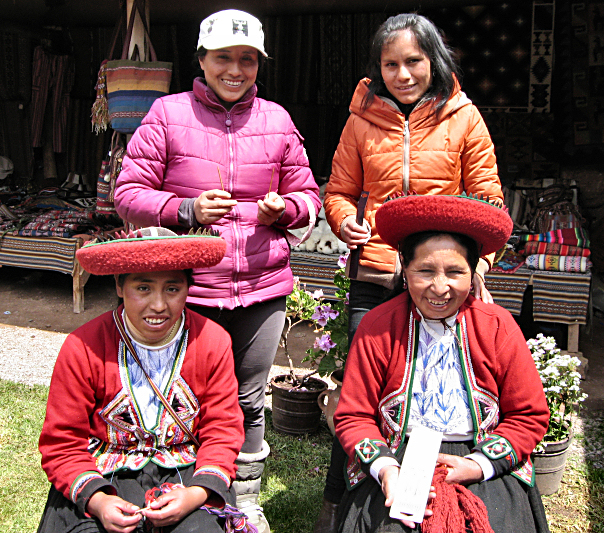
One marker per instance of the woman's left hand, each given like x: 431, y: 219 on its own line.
x: 172, y: 507
x: 389, y: 478
x: 480, y: 289
x: 460, y: 470
x: 270, y: 209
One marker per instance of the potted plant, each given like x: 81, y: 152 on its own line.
x: 561, y: 384
x: 299, y: 399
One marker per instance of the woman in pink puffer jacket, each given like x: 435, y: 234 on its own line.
x: 219, y: 157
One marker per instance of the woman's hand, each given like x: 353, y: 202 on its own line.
x: 353, y: 234
x: 460, y: 470
x: 212, y: 205
x: 480, y: 289
x: 389, y: 477
x: 116, y: 515
x: 172, y: 507
x: 270, y: 209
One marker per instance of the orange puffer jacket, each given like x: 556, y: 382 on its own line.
x: 384, y: 152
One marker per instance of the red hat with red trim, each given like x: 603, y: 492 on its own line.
x: 151, y: 250
x: 486, y: 222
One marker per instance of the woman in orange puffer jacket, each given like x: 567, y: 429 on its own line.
x: 411, y: 129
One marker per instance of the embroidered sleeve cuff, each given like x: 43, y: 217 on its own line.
x: 380, y: 463
x: 85, y: 486
x: 485, y: 464
x: 367, y: 451
x: 214, y: 479
x: 500, y: 452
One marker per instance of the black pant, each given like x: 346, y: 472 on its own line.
x: 363, y: 297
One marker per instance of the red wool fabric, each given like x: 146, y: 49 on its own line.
x: 151, y: 254
x: 488, y: 225
x: 455, y: 509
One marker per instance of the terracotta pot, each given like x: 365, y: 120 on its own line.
x: 549, y: 465
x: 333, y: 396
x: 295, y: 410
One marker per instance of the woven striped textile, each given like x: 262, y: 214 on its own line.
x: 316, y: 271
x: 132, y: 87
x: 561, y: 297
x: 43, y: 253
x: 508, y: 289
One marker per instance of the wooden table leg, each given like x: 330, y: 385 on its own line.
x: 80, y: 277
x: 573, y: 338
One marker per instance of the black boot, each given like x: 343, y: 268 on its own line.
x: 328, y: 518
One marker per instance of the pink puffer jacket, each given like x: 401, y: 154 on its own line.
x: 188, y: 143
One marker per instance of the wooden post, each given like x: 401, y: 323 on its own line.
x: 138, y: 37
x: 138, y: 31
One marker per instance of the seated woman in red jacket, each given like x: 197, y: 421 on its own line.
x: 436, y: 356
x: 115, y: 452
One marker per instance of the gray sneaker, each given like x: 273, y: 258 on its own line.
x: 256, y: 517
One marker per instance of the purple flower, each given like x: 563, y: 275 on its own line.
x: 342, y: 261
x: 324, y: 343
x: 323, y: 313
x: 347, y: 301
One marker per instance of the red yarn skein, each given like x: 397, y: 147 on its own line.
x: 455, y: 509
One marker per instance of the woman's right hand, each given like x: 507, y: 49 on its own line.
x: 353, y: 234
x: 116, y: 515
x: 212, y: 205
x: 389, y: 478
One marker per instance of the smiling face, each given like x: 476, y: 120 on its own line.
x: 230, y: 72
x: 405, y: 68
x: 153, y: 302
x: 439, y: 277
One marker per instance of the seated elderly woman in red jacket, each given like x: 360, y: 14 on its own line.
x: 143, y: 421
x: 435, y: 356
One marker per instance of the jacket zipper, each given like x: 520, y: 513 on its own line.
x: 234, y: 220
x: 406, y: 149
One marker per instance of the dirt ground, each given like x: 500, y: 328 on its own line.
x: 43, y: 299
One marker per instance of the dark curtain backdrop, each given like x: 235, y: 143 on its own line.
x: 315, y: 77
x: 315, y: 64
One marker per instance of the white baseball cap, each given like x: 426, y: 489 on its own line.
x: 231, y: 27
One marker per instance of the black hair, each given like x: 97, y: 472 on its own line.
x: 443, y: 60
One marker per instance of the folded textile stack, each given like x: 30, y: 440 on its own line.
x: 562, y: 250
x: 65, y: 222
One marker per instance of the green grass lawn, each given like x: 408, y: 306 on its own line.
x: 292, y: 486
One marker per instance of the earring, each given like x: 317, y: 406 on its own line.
x: 404, y: 283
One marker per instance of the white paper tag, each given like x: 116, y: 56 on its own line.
x: 415, y: 477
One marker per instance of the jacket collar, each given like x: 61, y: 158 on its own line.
x: 385, y: 113
x: 208, y: 97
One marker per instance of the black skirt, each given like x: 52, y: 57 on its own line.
x: 62, y: 516
x: 513, y: 506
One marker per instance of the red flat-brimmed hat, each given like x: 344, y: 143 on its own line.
x: 487, y: 222
x: 151, y: 250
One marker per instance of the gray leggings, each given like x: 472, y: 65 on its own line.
x: 255, y: 333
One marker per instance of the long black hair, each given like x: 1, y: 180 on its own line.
x: 443, y: 60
